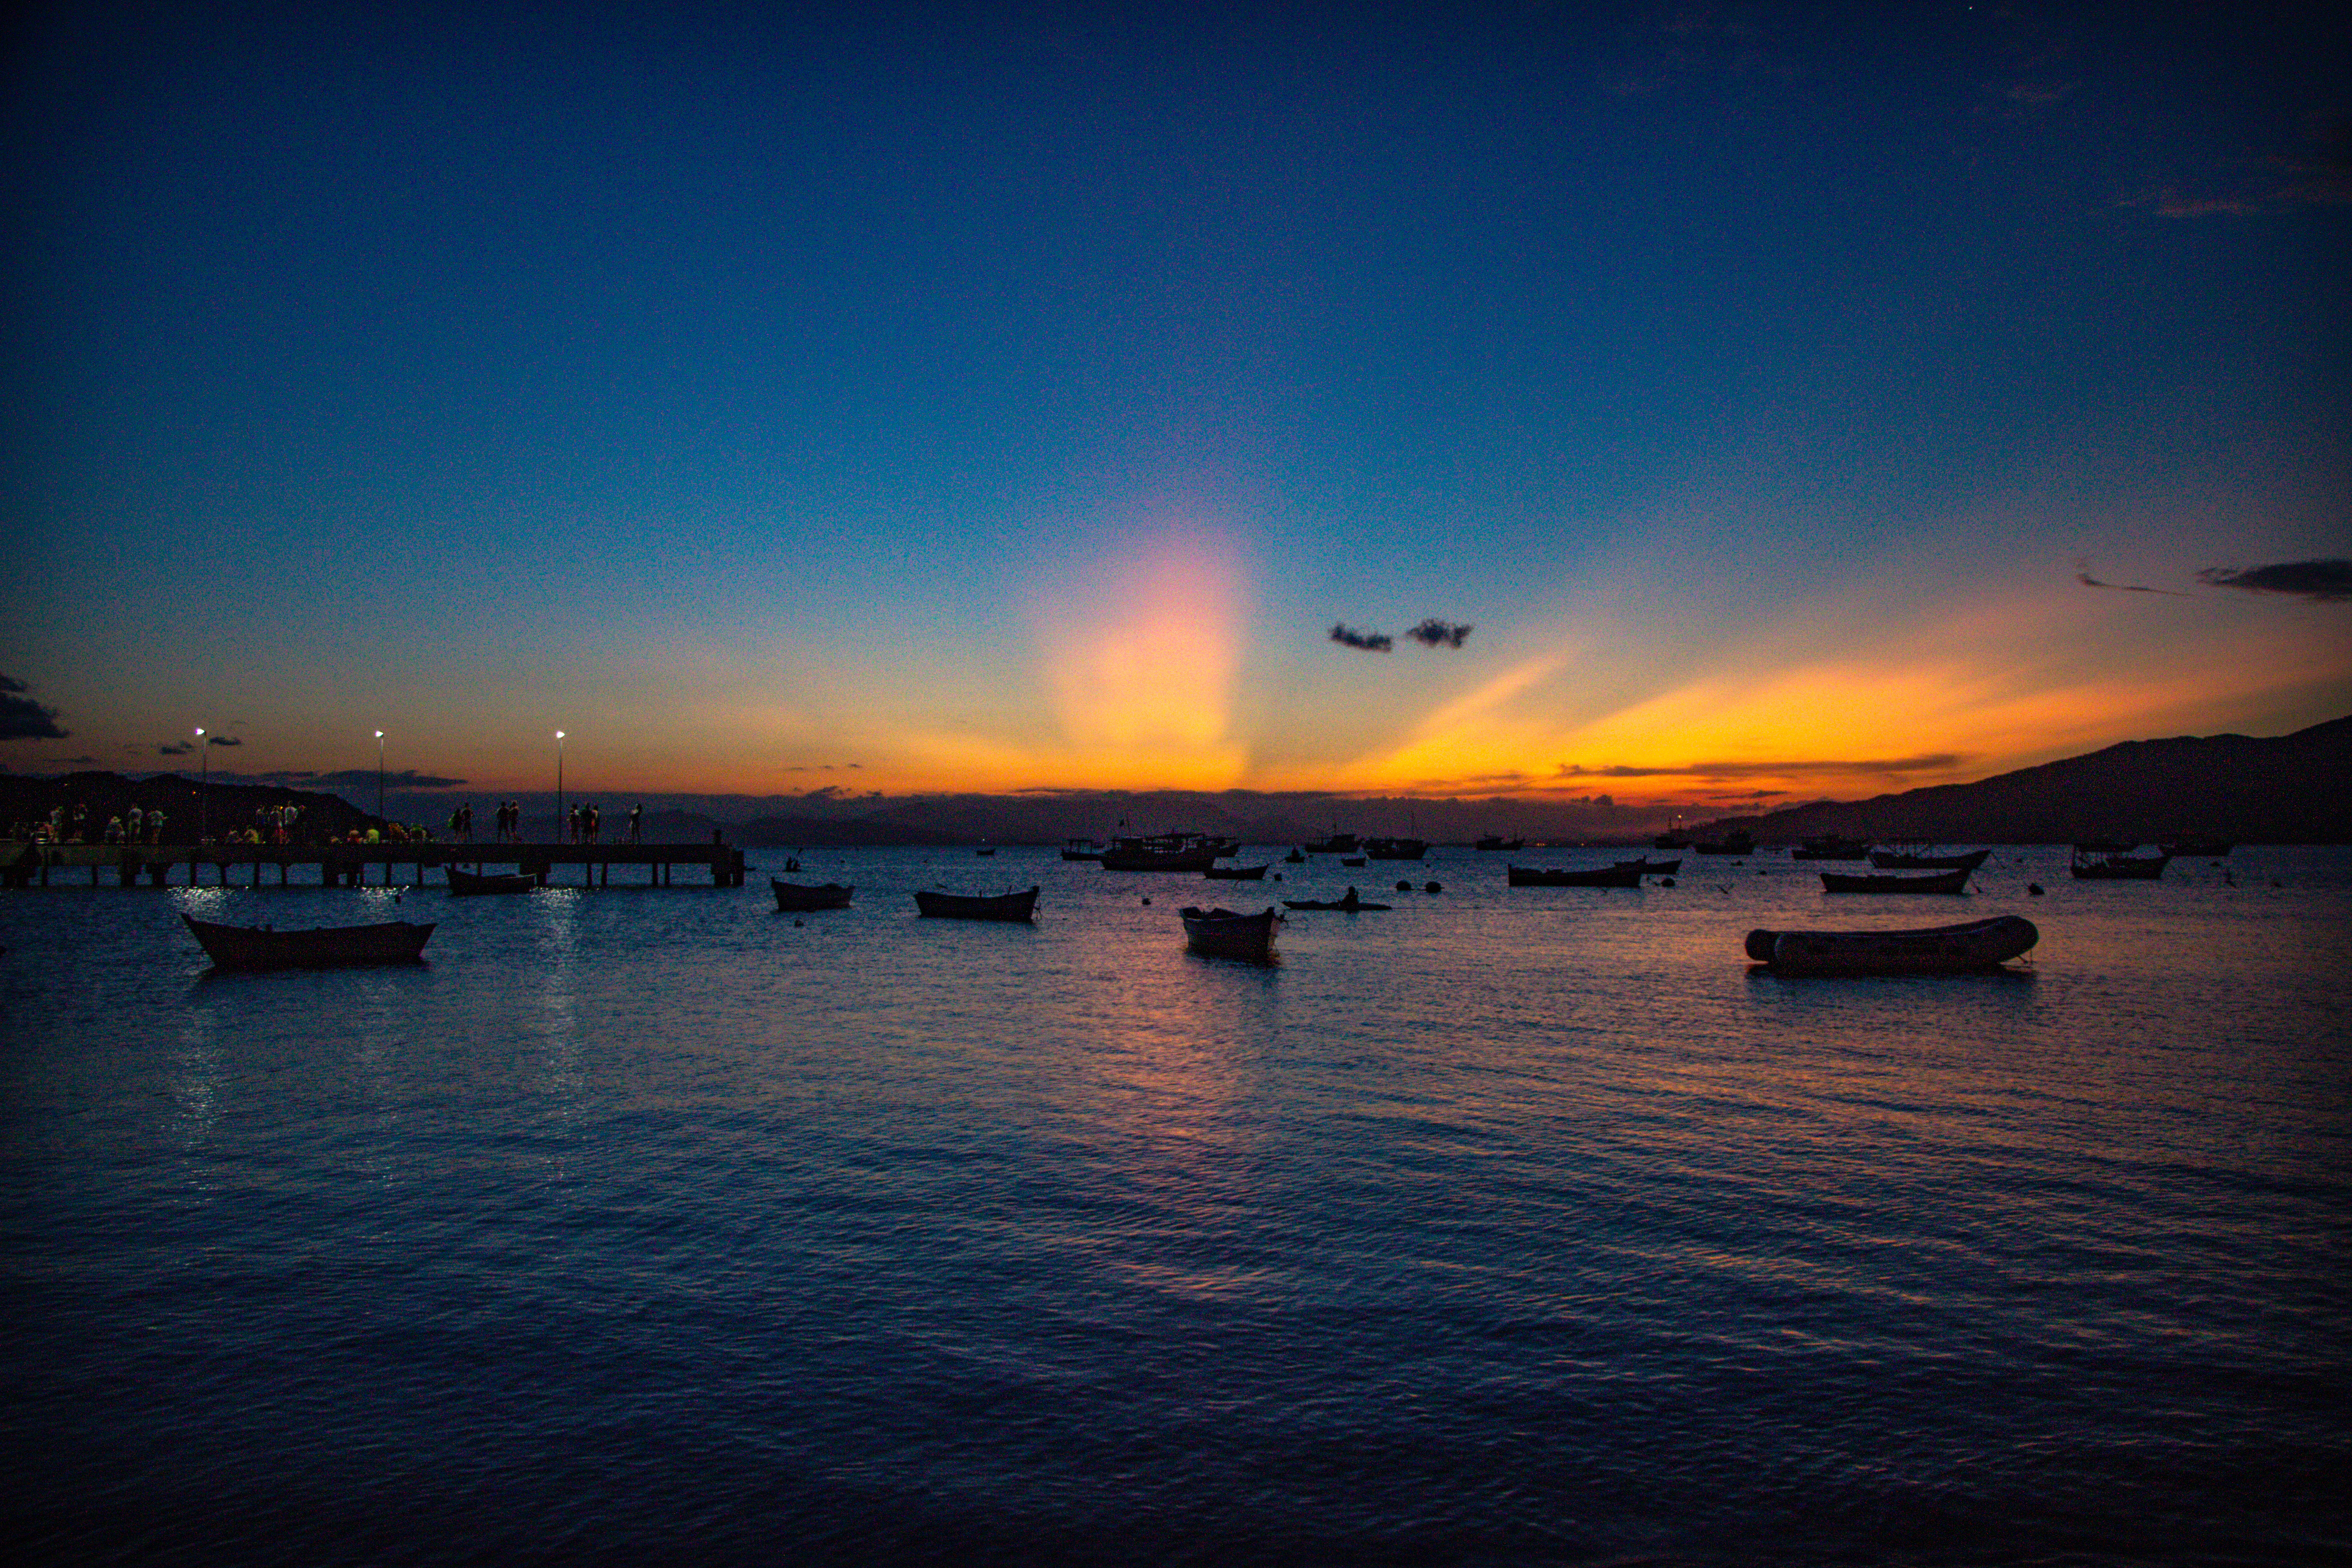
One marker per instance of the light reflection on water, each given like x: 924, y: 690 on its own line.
x: 1524, y: 1225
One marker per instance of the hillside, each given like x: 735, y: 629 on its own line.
x: 2291, y: 789
x: 184, y: 803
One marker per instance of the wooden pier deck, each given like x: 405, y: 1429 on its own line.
x: 359, y: 865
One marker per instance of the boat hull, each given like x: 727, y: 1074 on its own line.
x: 464, y: 883
x: 1235, y: 873
x: 1936, y: 950
x: 959, y: 907
x: 325, y: 947
x: 1933, y: 882
x: 1900, y: 860
x: 1221, y: 934
x: 1625, y: 875
x: 1395, y: 848
x: 799, y: 896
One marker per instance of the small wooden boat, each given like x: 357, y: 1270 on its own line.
x: 800, y: 895
x: 2092, y: 866
x: 1081, y: 849
x: 1351, y: 859
x: 1337, y: 844
x: 1395, y: 848
x: 1351, y: 902
x: 961, y: 907
x: 1220, y: 933
x: 1729, y: 844
x: 986, y: 852
x: 1235, y: 873
x: 1624, y: 876
x: 1937, y: 949
x: 1906, y: 860
x: 320, y: 947
x: 1649, y: 868
x: 463, y: 882
x: 1934, y: 882
x: 1496, y: 841
x: 2198, y: 849
x: 1293, y: 858
x: 1829, y: 847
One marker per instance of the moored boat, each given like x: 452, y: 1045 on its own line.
x: 1349, y: 901
x: 320, y: 947
x: 1649, y: 868
x: 1740, y: 843
x: 963, y: 907
x: 463, y: 882
x: 1337, y: 844
x: 1221, y: 934
x: 1235, y: 873
x: 1396, y: 848
x: 1933, y: 882
x: 2097, y: 865
x: 1162, y: 852
x: 1081, y: 849
x: 1934, y: 950
x: 2197, y: 848
x: 800, y: 895
x: 1627, y: 875
x: 1496, y: 841
x: 1909, y: 860
x: 1829, y: 846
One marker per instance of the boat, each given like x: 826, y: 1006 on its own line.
x: 1933, y: 882
x: 963, y: 907
x: 1829, y: 846
x: 1729, y: 844
x: 1496, y: 841
x: 800, y: 896
x: 1625, y: 875
x: 985, y: 851
x: 2103, y: 845
x: 1293, y: 858
x: 1671, y: 841
x: 1220, y: 933
x: 463, y: 882
x: 1337, y: 844
x: 1935, y: 950
x: 2097, y: 865
x: 2197, y: 848
x: 259, y: 947
x: 1396, y: 848
x: 1906, y: 860
x: 1349, y: 901
x: 1081, y: 849
x: 1235, y: 873
x: 1351, y: 859
x: 1649, y: 868
x: 1162, y: 852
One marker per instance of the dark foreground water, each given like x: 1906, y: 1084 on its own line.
x: 1510, y: 1227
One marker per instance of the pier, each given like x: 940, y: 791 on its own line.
x: 360, y: 865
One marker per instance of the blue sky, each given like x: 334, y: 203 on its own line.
x: 1015, y: 397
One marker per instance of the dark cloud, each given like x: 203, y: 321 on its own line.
x: 1932, y: 762
x: 225, y: 741
x: 1434, y: 633
x: 2083, y: 575
x: 1371, y: 642
x: 23, y: 719
x: 2328, y: 582
x: 176, y: 749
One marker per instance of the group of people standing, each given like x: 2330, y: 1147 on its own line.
x: 587, y: 823
x: 133, y: 826
x: 584, y: 824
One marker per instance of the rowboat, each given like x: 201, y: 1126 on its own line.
x: 259, y: 947
x: 800, y: 896
x: 1235, y: 873
x: 1937, y: 949
x: 1628, y: 875
x: 1220, y: 933
x: 1349, y: 901
x: 1906, y: 860
x: 959, y: 907
x: 1934, y: 882
x: 2095, y: 867
x: 462, y: 882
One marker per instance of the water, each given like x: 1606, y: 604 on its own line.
x: 1512, y: 1226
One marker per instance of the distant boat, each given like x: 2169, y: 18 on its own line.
x: 1904, y: 860
x: 985, y: 851
x: 1935, y: 950
x: 1350, y: 903
x: 1337, y: 844
x: 1396, y: 848
x: 1235, y: 873
x: 1162, y: 852
x: 1351, y: 859
x: 1829, y: 847
x: 1628, y: 875
x: 1652, y: 868
x: 1081, y: 849
x: 1220, y: 933
x: 2198, y: 849
x: 959, y: 907
x: 2095, y: 865
x: 1729, y: 844
x: 1496, y: 841
x: 2103, y: 845
x: 463, y: 882
x: 259, y: 947
x: 1293, y: 858
x: 1671, y: 841
x: 799, y: 896
x: 1934, y: 882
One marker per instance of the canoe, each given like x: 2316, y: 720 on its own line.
x: 961, y: 907
x: 1628, y: 875
x: 1352, y: 903
x: 800, y: 896
x: 1235, y: 873
x: 462, y: 882
x: 1933, y: 882
x: 1220, y: 933
x: 259, y: 947
x: 2099, y: 868
x: 1936, y: 950
x: 1904, y: 860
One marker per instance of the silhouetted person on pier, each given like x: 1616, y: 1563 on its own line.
x: 637, y: 824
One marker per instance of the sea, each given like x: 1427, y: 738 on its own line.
x: 1500, y: 1226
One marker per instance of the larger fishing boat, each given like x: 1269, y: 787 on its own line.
x: 1164, y: 852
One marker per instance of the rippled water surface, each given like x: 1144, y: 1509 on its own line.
x: 1511, y: 1225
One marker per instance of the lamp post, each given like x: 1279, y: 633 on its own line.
x: 204, y: 792
x: 378, y: 775
x: 559, y: 787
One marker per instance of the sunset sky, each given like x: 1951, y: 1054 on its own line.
x: 958, y: 397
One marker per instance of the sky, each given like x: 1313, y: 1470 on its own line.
x: 1787, y: 399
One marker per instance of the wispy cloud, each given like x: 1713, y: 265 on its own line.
x: 22, y: 718
x: 1817, y: 767
x: 175, y: 748
x: 2083, y: 575
x: 2328, y: 582
x: 1371, y: 642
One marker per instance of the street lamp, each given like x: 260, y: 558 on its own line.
x: 204, y: 794
x: 559, y: 787
x: 378, y: 775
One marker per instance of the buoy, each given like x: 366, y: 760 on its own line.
x: 796, y: 924
x: 1403, y: 887
x: 1665, y: 881
x: 1147, y: 900
x: 1433, y: 887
